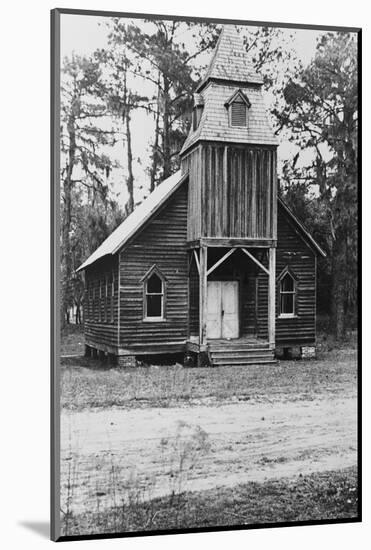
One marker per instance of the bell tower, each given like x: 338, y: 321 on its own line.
x: 230, y: 156
x: 230, y: 152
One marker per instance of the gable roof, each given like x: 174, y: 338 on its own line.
x: 137, y: 218
x: 312, y: 243
x: 230, y: 60
x: 238, y: 94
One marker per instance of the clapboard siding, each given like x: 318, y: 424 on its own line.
x: 194, y: 300
x: 161, y: 243
x: 248, y: 303
x: 101, y: 311
x: 231, y: 192
x: 293, y: 252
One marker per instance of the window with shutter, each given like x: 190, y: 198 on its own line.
x: 238, y: 114
x: 238, y: 105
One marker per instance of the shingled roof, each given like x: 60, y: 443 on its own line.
x: 132, y: 224
x: 230, y: 61
x: 301, y: 228
x: 229, y: 71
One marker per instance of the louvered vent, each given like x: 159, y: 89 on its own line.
x: 238, y: 114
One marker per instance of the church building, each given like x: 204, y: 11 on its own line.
x: 212, y: 264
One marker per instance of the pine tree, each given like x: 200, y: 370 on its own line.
x: 321, y: 112
x: 161, y: 58
x: 83, y: 165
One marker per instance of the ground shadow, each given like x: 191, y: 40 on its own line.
x: 42, y: 528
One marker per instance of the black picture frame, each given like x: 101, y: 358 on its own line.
x: 56, y: 285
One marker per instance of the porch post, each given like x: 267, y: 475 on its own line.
x: 272, y: 298
x: 203, y: 296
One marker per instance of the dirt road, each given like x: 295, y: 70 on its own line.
x: 108, y: 453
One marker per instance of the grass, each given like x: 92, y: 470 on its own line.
x: 87, y: 383
x: 72, y: 340
x: 90, y: 384
x: 317, y: 496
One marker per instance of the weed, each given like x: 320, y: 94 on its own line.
x: 83, y: 386
x: 182, y: 454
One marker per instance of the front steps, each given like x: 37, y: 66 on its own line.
x: 237, y: 353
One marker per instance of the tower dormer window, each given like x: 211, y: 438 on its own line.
x: 237, y: 107
x: 238, y: 113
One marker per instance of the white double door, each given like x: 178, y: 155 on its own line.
x: 222, y: 309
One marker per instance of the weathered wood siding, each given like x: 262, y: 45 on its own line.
x: 194, y: 300
x: 232, y: 191
x: 248, y: 299
x: 192, y: 164
x: 292, y: 251
x: 161, y: 243
x: 100, y: 310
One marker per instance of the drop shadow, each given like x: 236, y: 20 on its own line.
x: 42, y: 528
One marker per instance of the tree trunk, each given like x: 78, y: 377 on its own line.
x: 130, y: 178
x: 338, y: 291
x: 155, y: 147
x: 66, y: 224
x: 166, y: 132
x: 78, y: 315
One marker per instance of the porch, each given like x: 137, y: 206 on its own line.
x: 232, y: 304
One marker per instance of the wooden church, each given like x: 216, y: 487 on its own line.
x: 213, y: 263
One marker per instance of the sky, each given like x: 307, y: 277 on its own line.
x: 83, y: 34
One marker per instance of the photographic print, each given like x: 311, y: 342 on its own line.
x: 206, y: 196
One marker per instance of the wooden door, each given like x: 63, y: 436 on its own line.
x: 230, y: 309
x: 222, y: 309
x: 214, y: 309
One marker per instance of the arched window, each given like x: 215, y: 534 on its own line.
x: 154, y: 295
x: 287, y: 295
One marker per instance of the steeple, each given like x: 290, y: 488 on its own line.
x: 230, y: 153
x: 230, y: 75
x: 230, y: 61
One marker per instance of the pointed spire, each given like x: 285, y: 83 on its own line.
x: 230, y: 60
x: 230, y: 73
